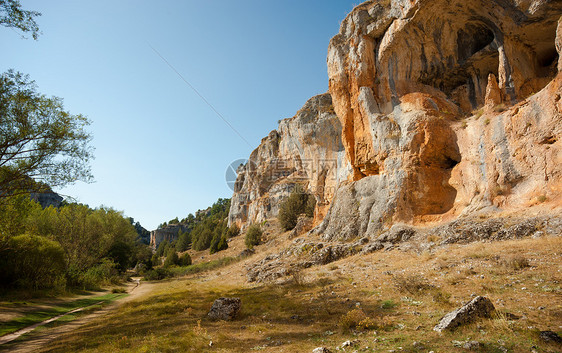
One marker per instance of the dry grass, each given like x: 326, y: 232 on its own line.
x: 400, y: 295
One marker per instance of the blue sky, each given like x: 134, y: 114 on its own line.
x: 161, y: 152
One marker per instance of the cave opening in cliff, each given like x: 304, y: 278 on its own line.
x: 472, y: 39
x: 547, y: 58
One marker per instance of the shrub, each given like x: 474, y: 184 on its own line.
x: 162, y: 248
x: 184, y: 260
x: 253, y: 236
x: 297, y: 203
x: 31, y: 261
x: 232, y: 231
x: 218, y: 243
x: 103, y: 273
x: 172, y: 259
x: 157, y: 274
x: 517, y: 262
x: 411, y: 284
x: 184, y: 241
x: 356, y: 319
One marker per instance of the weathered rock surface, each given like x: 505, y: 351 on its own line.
x: 479, y: 307
x: 168, y: 233
x: 402, y: 75
x: 305, y: 149
x: 47, y: 199
x: 225, y: 309
x: 447, y: 111
x: 304, y: 224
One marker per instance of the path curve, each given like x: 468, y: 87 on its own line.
x: 40, y: 339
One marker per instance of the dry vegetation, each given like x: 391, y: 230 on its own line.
x: 386, y: 300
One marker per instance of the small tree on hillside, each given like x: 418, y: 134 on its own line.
x: 172, y: 259
x: 185, y: 260
x: 253, y: 236
x: 184, y: 241
x: 297, y: 203
x: 232, y: 231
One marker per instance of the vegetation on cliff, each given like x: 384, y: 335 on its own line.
x: 297, y: 203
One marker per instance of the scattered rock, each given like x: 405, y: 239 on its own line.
x: 478, y: 307
x: 550, y: 337
x: 321, y: 350
x: 472, y: 345
x: 246, y: 253
x: 350, y: 343
x: 225, y: 309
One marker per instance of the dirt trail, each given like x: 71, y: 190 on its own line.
x: 40, y: 339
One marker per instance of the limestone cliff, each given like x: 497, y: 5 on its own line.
x: 447, y: 108
x: 305, y: 149
x: 168, y: 233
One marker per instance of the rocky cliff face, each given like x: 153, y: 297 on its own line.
x: 168, y: 233
x: 306, y: 150
x: 447, y: 108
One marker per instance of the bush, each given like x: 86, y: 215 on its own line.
x: 34, y: 262
x: 218, y: 243
x: 233, y: 231
x: 184, y: 241
x: 162, y: 248
x: 297, y: 203
x: 356, y: 319
x: 411, y: 284
x: 103, y: 273
x: 185, y: 260
x: 253, y: 236
x: 172, y: 259
x: 157, y: 274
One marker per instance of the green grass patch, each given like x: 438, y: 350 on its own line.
x: 203, y: 266
x: 41, y: 315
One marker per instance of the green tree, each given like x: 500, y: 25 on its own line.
x: 40, y: 141
x: 297, y: 203
x: 13, y: 16
x: 233, y: 231
x: 185, y: 260
x: 32, y: 261
x: 162, y: 248
x: 184, y: 241
x: 172, y: 259
x: 253, y: 236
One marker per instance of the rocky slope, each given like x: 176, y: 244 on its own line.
x: 447, y: 109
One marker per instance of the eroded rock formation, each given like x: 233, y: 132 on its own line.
x: 306, y: 150
x: 168, y: 233
x: 432, y: 97
x: 447, y: 108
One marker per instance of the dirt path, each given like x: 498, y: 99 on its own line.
x: 40, y: 339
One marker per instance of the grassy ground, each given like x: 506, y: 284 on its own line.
x: 45, y: 312
x: 386, y: 300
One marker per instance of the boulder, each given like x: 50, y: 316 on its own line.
x: 321, y: 350
x: 479, y: 307
x: 225, y: 309
x: 304, y: 224
x: 472, y: 345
